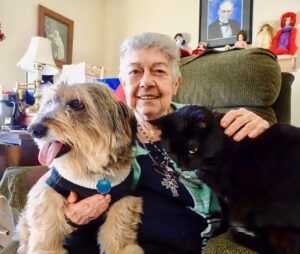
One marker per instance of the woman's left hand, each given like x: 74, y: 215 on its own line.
x: 240, y: 123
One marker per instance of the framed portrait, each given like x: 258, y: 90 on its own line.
x: 59, y: 30
x: 221, y: 20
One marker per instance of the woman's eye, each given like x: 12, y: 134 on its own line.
x: 193, y: 150
x: 75, y: 105
x: 159, y: 71
x: 134, y: 72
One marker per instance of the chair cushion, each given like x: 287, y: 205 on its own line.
x: 249, y: 78
x: 225, y: 245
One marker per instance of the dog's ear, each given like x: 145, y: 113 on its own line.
x: 127, y: 114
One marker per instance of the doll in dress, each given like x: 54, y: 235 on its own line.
x: 200, y: 49
x: 285, y: 39
x: 264, y: 37
x: 241, y: 42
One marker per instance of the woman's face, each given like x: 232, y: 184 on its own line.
x: 240, y: 37
x: 148, y: 83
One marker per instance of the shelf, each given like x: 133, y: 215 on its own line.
x: 287, y: 62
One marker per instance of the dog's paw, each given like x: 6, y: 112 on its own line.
x: 60, y: 251
x: 120, y: 227
x: 131, y: 249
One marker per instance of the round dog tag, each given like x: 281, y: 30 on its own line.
x: 103, y: 186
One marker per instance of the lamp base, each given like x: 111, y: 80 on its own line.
x: 32, y: 109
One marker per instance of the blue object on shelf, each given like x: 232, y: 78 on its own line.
x: 113, y: 83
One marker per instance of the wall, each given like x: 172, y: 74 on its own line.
x: 127, y: 17
x: 19, y: 21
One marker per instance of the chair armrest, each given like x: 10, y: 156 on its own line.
x: 282, y: 105
x: 15, y: 184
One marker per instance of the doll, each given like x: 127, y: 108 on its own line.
x: 241, y: 42
x: 285, y: 39
x: 264, y: 36
x: 180, y: 42
x: 2, y: 36
x: 200, y: 49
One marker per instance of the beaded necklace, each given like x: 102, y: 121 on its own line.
x: 165, y: 168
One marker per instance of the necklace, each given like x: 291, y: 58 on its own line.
x: 163, y: 167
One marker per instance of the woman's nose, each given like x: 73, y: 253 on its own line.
x: 147, y: 80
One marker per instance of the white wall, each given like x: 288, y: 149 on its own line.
x: 19, y: 19
x: 127, y: 17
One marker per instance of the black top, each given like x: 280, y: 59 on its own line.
x: 164, y: 219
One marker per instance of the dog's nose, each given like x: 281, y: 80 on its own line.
x: 38, y: 130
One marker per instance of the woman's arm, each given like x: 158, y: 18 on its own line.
x: 240, y: 123
x: 85, y: 210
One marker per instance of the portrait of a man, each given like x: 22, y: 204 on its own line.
x: 225, y: 19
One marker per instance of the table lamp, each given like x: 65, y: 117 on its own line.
x: 38, y: 59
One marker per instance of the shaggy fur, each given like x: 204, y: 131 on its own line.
x: 97, y: 133
x: 257, y: 178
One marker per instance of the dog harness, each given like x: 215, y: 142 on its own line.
x: 64, y: 187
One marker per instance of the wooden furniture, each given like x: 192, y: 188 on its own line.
x: 287, y: 62
x: 17, y: 148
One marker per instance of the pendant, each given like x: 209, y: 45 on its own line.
x: 169, y: 182
x: 103, y: 186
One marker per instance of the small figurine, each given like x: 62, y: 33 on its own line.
x: 179, y: 39
x: 200, y: 49
x: 241, y: 42
x: 180, y: 42
x: 285, y: 39
x: 264, y: 36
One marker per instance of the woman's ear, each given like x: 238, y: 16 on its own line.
x: 176, y: 85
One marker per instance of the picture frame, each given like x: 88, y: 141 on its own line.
x: 217, y: 34
x: 59, y: 30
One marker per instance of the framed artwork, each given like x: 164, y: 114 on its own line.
x: 59, y: 30
x: 221, y: 20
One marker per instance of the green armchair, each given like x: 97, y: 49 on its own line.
x: 248, y: 78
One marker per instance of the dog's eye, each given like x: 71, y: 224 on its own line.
x: 76, y: 105
x: 193, y: 150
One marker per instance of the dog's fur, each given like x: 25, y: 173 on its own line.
x: 97, y: 132
x: 259, y: 179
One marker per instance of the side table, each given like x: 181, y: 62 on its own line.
x: 17, y: 148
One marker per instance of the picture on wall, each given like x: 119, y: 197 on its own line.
x: 59, y: 30
x: 221, y: 20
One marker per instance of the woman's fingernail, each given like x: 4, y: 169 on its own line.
x: 223, y: 123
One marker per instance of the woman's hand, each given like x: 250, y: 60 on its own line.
x: 86, y: 210
x: 241, y: 123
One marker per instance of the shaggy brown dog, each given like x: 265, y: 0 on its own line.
x: 84, y: 134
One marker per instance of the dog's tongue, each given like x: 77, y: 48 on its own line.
x: 48, y: 152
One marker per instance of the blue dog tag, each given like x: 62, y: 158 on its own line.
x: 103, y: 186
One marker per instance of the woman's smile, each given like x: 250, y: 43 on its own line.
x: 147, y: 97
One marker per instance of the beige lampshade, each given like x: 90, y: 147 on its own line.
x: 39, y: 51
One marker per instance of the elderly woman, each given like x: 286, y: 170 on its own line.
x: 178, y: 215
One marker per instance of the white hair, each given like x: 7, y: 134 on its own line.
x: 226, y: 2
x: 161, y: 42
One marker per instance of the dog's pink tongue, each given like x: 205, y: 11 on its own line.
x: 48, y: 152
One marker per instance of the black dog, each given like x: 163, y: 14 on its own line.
x: 259, y: 179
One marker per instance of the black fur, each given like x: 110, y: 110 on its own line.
x: 259, y: 179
